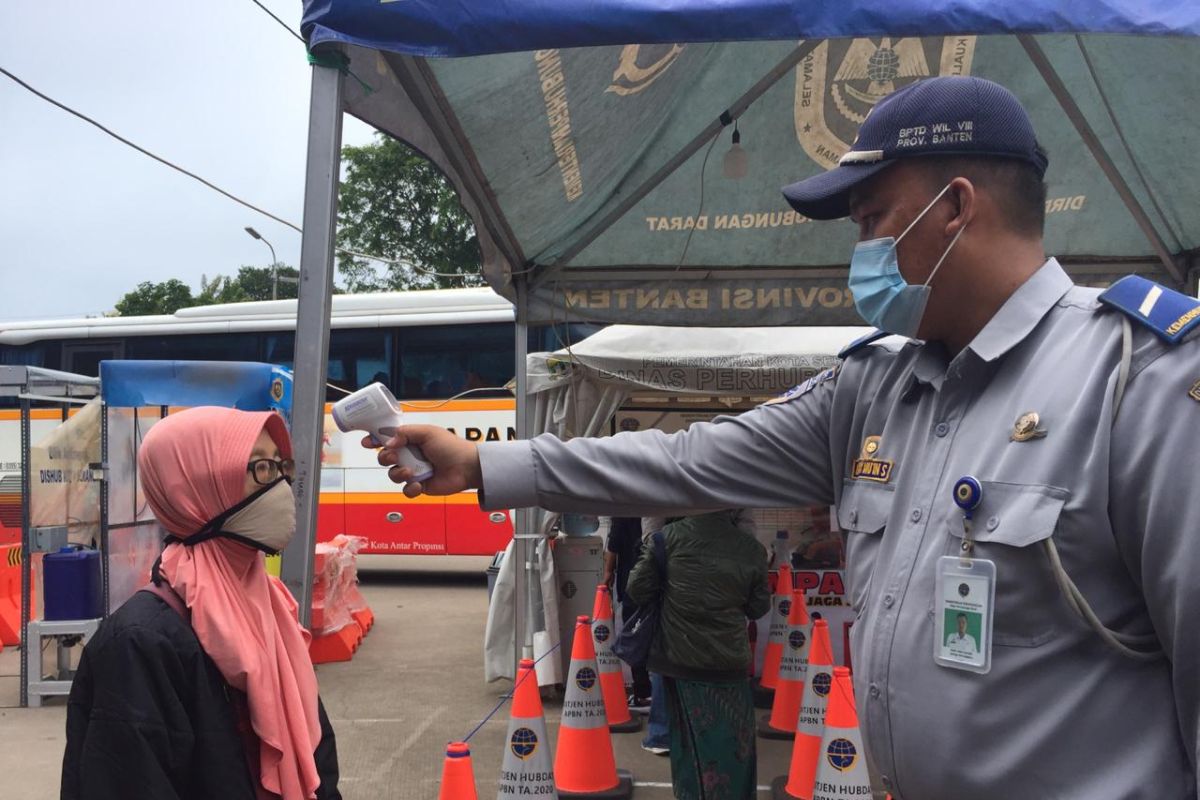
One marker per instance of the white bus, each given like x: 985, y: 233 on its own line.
x: 427, y: 346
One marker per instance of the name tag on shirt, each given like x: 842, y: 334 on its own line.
x: 964, y: 599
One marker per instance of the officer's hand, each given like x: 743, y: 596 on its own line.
x: 455, y: 461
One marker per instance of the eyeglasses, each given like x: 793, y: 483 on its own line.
x: 267, y: 470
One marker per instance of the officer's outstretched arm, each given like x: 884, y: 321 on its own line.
x: 775, y: 455
x: 1154, y: 503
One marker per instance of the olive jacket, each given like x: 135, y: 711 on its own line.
x: 716, y: 579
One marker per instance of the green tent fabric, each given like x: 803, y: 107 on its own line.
x: 591, y: 176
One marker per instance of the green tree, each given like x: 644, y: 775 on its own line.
x: 394, y: 203
x: 250, y: 283
x: 155, y: 298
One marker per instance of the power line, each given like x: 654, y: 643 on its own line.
x: 146, y: 152
x: 214, y: 187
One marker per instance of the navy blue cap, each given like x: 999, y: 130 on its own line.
x: 948, y: 116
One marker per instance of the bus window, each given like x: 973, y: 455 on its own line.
x: 194, y: 347
x: 83, y: 358
x: 279, y: 349
x: 28, y: 355
x: 549, y: 338
x: 357, y: 357
x: 440, y: 362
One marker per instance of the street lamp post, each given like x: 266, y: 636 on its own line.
x: 274, y: 262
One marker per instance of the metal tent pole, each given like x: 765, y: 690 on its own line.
x: 523, y: 535
x: 26, y: 557
x: 312, y: 325
x: 1107, y: 165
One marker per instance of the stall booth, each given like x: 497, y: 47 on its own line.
x: 83, y: 509
x: 628, y: 378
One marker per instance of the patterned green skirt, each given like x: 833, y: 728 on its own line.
x: 712, y: 740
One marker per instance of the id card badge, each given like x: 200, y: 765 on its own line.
x: 963, y: 604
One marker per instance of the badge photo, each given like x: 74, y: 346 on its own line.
x: 965, y: 592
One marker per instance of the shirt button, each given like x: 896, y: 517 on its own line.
x: 888, y: 600
x: 993, y: 523
x: 942, y: 429
x: 874, y: 692
x: 915, y: 516
x: 853, y: 517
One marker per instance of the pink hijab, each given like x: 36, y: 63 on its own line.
x: 192, y: 467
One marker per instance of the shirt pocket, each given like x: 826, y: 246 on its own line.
x: 1010, y: 528
x: 863, y: 515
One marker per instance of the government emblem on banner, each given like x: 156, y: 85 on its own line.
x: 839, y: 83
x: 640, y: 65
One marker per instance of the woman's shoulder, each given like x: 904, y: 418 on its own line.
x: 146, y: 622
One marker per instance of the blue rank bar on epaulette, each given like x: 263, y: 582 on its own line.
x: 1168, y: 313
x: 860, y: 343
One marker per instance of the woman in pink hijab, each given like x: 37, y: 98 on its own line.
x: 200, y: 686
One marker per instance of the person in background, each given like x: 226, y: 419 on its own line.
x: 201, y: 686
x: 621, y: 551
x: 716, y: 577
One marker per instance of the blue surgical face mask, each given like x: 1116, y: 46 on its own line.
x: 881, y: 295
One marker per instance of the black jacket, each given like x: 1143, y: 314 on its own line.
x: 150, y: 716
x: 716, y: 579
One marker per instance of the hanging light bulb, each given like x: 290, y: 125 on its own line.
x: 736, y: 162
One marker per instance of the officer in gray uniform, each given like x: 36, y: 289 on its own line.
x: 1075, y: 414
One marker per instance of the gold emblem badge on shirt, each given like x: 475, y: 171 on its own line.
x: 869, y: 468
x: 1194, y: 392
x: 1027, y: 427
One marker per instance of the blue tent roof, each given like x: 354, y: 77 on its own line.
x: 462, y: 28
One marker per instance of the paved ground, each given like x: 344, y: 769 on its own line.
x: 416, y: 683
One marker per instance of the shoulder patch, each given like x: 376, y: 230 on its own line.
x: 804, y: 388
x: 1170, y: 314
x: 860, y: 343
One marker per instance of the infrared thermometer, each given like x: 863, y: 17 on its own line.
x: 373, y: 410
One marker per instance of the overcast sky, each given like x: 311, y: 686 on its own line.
x: 217, y: 87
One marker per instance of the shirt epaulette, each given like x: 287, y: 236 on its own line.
x: 1170, y: 314
x: 860, y: 343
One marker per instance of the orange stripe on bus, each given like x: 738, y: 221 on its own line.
x: 375, y: 498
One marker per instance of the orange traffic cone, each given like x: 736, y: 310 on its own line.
x: 793, y: 667
x: 810, y: 722
x: 780, y: 610
x: 528, y: 767
x: 458, y: 779
x: 584, y: 764
x: 612, y: 679
x: 842, y: 769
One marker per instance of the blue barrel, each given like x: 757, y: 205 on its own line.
x: 71, y: 584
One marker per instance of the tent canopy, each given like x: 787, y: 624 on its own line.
x: 595, y: 174
x: 575, y: 392
x: 691, y: 361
